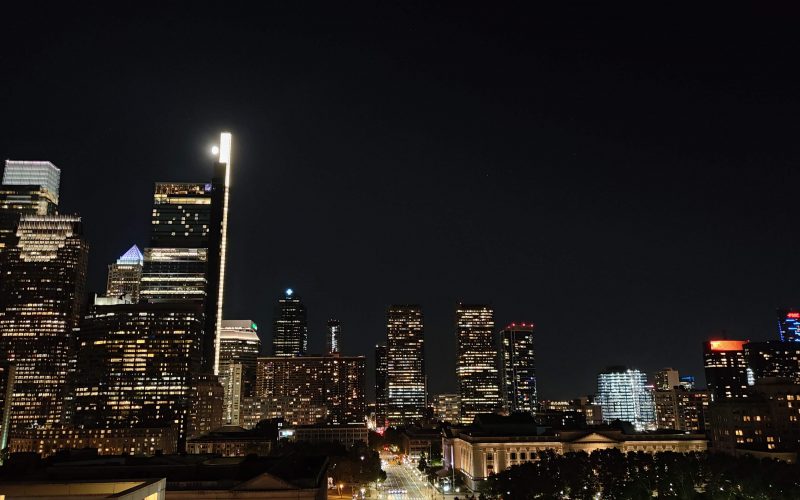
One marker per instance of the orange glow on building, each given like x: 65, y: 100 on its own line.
x: 727, y: 345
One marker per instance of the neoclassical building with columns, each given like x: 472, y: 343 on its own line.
x: 489, y: 447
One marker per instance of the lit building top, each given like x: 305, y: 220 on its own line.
x: 789, y: 325
x: 33, y: 173
x: 132, y: 256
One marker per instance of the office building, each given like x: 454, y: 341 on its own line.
x: 42, y: 293
x: 290, y: 326
x: 239, y: 351
x: 773, y: 358
x: 447, y: 408
x: 206, y: 410
x: 333, y: 337
x: 476, y: 361
x: 188, y: 244
x: 28, y: 188
x: 681, y: 408
x: 135, y: 365
x: 7, y: 372
x: 405, y: 365
x: 46, y: 442
x: 727, y: 374
x: 666, y: 379
x: 125, y: 275
x: 518, y: 368
x: 789, y: 325
x: 570, y: 413
x: 381, y: 388
x: 623, y: 395
x: 307, y: 390
x: 763, y: 424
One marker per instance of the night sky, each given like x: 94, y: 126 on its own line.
x: 628, y: 182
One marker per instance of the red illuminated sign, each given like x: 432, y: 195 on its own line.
x: 727, y: 345
x: 793, y: 315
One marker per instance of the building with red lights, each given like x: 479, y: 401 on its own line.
x: 727, y: 373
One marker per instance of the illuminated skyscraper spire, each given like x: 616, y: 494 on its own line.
x: 225, y: 144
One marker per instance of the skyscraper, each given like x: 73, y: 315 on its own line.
x: 518, y: 363
x: 333, y: 336
x: 623, y: 395
x: 774, y: 358
x: 188, y: 240
x: 135, y: 365
x: 41, y: 299
x: 405, y: 368
x: 381, y: 394
x: 476, y: 362
x: 28, y: 188
x: 789, y: 325
x: 290, y: 328
x: 727, y: 373
x: 125, y: 275
x: 239, y: 351
x: 666, y: 379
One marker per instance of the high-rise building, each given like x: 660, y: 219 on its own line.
x: 679, y: 406
x: 774, y: 358
x: 42, y: 293
x: 28, y: 188
x: 206, y: 409
x: 518, y: 368
x: 33, y: 173
x: 476, y: 361
x: 188, y: 241
x: 666, y: 379
x: 623, y: 395
x: 789, y: 325
x: 333, y: 338
x: 381, y: 390
x: 7, y: 371
x: 447, y: 408
x: 727, y: 373
x: 405, y: 368
x: 135, y: 365
x: 125, y: 275
x: 306, y: 390
x: 239, y: 351
x: 290, y: 327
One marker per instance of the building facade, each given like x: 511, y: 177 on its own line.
x: 727, y: 373
x: 476, y: 361
x: 772, y: 358
x: 447, y: 408
x: 28, y: 188
x: 333, y: 337
x: 381, y: 389
x: 135, y: 366
x: 307, y: 390
x: 42, y: 294
x: 139, y: 441
x: 405, y: 365
x: 518, y: 368
x: 125, y: 275
x: 290, y: 327
x: 789, y: 325
x: 622, y: 393
x: 239, y: 351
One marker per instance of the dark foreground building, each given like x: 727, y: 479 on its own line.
x: 187, y: 476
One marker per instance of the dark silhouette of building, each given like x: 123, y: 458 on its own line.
x: 333, y: 338
x: 381, y: 394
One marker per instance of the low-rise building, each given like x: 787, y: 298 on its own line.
x: 489, y: 447
x: 233, y: 441
x: 447, y: 408
x: 47, y: 441
x: 348, y: 435
x: 420, y: 440
x: 145, y: 489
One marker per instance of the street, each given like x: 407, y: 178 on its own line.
x: 403, y: 478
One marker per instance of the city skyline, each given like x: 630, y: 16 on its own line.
x: 563, y: 203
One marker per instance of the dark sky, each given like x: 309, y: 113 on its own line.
x: 628, y: 181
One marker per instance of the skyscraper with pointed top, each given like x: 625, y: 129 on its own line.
x: 125, y: 275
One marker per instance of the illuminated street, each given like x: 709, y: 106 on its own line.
x: 403, y: 478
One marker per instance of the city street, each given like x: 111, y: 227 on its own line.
x: 401, y: 477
